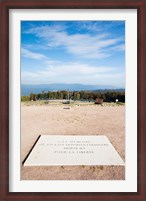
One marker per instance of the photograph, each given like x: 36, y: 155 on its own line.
x: 72, y: 88
x: 72, y: 112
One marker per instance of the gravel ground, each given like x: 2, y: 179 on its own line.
x: 78, y: 120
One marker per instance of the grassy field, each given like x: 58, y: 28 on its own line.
x: 72, y: 103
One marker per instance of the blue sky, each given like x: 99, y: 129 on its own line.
x: 84, y: 52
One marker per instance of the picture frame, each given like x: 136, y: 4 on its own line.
x: 6, y: 104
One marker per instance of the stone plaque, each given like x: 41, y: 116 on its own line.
x: 73, y: 150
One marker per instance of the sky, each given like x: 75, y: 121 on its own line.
x: 83, y: 52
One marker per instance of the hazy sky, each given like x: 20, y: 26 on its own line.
x: 86, y: 52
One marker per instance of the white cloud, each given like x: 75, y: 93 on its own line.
x: 76, y: 69
x: 90, y: 26
x: 120, y: 47
x: 83, y: 45
x: 58, y: 72
x: 32, y: 55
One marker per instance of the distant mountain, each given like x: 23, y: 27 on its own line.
x: 27, y: 89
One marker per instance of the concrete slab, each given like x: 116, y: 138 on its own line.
x: 73, y: 150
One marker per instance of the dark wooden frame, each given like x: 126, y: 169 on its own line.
x: 140, y: 5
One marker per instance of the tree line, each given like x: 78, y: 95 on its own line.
x: 106, y: 95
